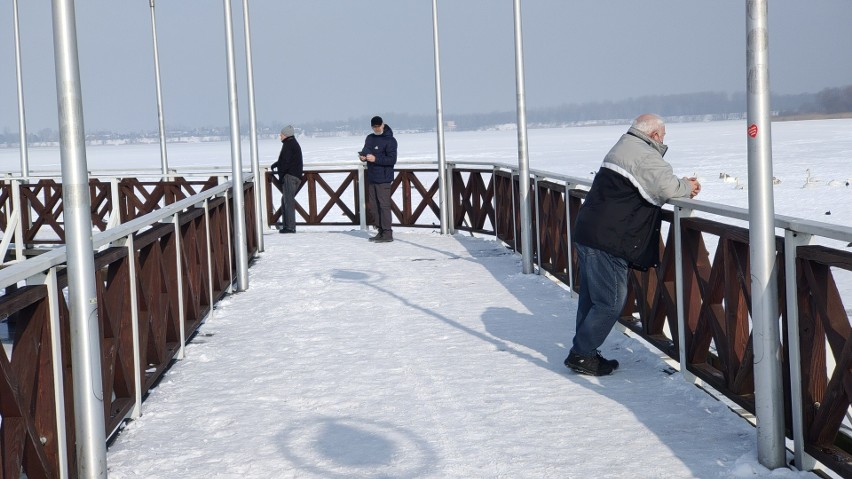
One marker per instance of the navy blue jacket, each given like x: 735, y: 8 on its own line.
x: 383, y: 147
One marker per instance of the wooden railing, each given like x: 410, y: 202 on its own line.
x: 417, y: 195
x: 41, y: 203
x: 714, y: 291
x: 157, y: 278
x: 695, y: 307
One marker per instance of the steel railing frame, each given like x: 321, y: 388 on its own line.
x: 42, y: 270
x: 796, y: 232
x: 568, y: 190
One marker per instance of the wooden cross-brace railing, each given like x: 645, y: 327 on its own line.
x: 160, y: 281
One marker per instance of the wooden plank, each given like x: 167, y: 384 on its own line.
x: 13, y: 301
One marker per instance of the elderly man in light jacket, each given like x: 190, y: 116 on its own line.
x: 617, y: 228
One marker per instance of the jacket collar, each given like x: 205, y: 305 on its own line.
x: 660, y: 147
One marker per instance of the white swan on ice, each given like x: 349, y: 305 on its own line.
x: 810, y: 181
x: 738, y: 184
x: 727, y: 178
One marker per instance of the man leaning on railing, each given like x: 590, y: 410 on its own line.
x: 617, y: 228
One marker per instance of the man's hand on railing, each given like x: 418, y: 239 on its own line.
x: 696, y: 186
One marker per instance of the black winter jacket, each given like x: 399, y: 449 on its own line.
x: 616, y: 219
x: 383, y: 147
x: 622, y: 211
x: 290, y: 159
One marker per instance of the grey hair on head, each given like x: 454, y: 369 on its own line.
x: 648, y: 123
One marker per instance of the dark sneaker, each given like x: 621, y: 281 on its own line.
x: 377, y: 237
x: 592, y: 365
x: 387, y: 237
x: 612, y: 362
x: 285, y: 230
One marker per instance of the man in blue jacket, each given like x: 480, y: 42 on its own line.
x: 379, y: 153
x: 617, y: 228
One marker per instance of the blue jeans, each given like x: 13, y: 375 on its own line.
x: 603, y: 289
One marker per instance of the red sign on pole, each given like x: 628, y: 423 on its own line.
x: 752, y: 130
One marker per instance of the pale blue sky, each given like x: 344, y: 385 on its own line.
x: 335, y: 59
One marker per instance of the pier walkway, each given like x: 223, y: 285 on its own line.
x: 429, y: 357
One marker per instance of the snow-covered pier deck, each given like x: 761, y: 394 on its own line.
x: 429, y: 357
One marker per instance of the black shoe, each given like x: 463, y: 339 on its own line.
x: 595, y: 365
x: 612, y: 362
x: 377, y: 237
x: 285, y: 230
x: 386, y: 237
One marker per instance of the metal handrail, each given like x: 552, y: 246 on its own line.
x: 796, y: 232
x: 44, y: 272
x: 22, y: 270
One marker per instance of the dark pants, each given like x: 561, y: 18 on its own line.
x: 289, y: 187
x: 379, y: 196
x: 603, y: 290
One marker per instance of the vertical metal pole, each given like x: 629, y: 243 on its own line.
x: 136, y: 412
x: 537, y: 223
x: 680, y: 213
x: 362, y: 196
x: 58, y: 382
x: 442, y: 159
x: 681, y: 316
x: 229, y: 235
x: 209, y: 256
x: 494, y: 203
x: 569, y: 251
x: 164, y: 162
x: 83, y: 303
x: 791, y: 242
x: 17, y: 207
x: 255, y: 162
x: 451, y: 212
x: 263, y: 193
x: 114, y: 216
x: 240, y: 243
x: 515, y: 240
x: 523, y: 160
x: 179, y: 277
x: 22, y: 121
x: 769, y: 406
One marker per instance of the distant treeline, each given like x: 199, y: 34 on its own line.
x: 714, y: 105
x: 708, y: 105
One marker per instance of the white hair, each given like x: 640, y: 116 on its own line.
x: 648, y: 123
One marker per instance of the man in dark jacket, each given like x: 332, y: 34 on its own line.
x: 289, y: 166
x: 618, y: 227
x: 379, y: 153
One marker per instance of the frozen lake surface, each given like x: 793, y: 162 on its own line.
x: 704, y: 149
